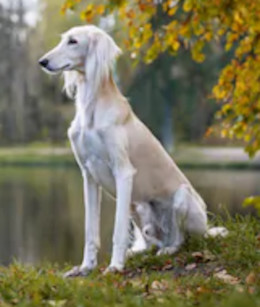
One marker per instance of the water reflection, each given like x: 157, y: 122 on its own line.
x: 41, y: 209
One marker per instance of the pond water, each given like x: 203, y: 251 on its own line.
x: 41, y: 209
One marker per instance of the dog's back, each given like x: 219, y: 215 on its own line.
x: 157, y: 174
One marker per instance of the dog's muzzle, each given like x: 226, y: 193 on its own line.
x: 44, y: 62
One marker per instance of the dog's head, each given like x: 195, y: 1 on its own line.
x: 85, y: 49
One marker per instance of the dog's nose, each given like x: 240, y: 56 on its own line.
x: 44, y: 62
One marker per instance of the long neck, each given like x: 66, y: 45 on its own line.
x: 85, y: 101
x: 88, y: 95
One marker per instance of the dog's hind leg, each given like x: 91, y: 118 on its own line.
x: 188, y: 216
x: 148, y: 224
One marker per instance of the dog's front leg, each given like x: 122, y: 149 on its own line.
x: 92, y: 199
x: 120, y: 236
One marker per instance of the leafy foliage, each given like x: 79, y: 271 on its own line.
x: 149, y: 28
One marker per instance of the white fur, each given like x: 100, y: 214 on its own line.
x: 116, y: 151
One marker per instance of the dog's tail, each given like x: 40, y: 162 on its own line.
x: 216, y: 232
x: 136, y: 240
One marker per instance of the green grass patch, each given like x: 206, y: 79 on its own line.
x: 206, y: 272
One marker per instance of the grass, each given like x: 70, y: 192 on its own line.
x: 209, y: 272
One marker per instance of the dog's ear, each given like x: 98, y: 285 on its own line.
x: 101, y: 55
x: 70, y: 82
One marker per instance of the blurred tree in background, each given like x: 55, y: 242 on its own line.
x: 171, y: 94
x: 148, y: 28
x: 13, y: 87
x: 24, y: 116
x: 32, y: 107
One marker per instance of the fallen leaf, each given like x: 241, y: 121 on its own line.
x: 180, y: 261
x: 251, y: 278
x: 197, y: 255
x: 208, y: 256
x: 190, y: 266
x: 239, y: 289
x: 227, y: 278
x: 251, y: 290
x: 189, y: 293
x: 202, y: 290
x: 58, y: 303
x: 204, y: 256
x: 136, y: 283
x: 159, y: 285
x: 167, y: 267
x: 218, y: 269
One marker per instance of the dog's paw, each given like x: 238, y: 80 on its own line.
x: 77, y: 271
x: 170, y: 250
x: 112, y: 270
x: 131, y: 253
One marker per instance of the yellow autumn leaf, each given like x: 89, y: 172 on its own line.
x: 226, y: 108
x: 198, y: 30
x: 137, y: 44
x: 224, y: 133
x: 133, y: 31
x: 221, y: 31
x: 187, y: 6
x: 147, y: 32
x: 172, y: 11
x: 218, y: 92
x: 90, y: 7
x: 185, y: 31
x: 83, y: 15
x: 196, y: 53
x: 175, y: 45
x: 208, y: 36
x: 165, y: 6
x: 100, y: 9
x: 237, y: 17
x: 122, y: 12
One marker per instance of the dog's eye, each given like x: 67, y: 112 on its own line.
x: 72, y: 41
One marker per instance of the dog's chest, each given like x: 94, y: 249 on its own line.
x: 92, y: 152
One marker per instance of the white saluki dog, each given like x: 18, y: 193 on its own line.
x: 116, y: 151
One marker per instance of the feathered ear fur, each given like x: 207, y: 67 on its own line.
x: 70, y: 82
x: 101, y: 55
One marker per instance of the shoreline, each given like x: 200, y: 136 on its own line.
x: 186, y: 157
